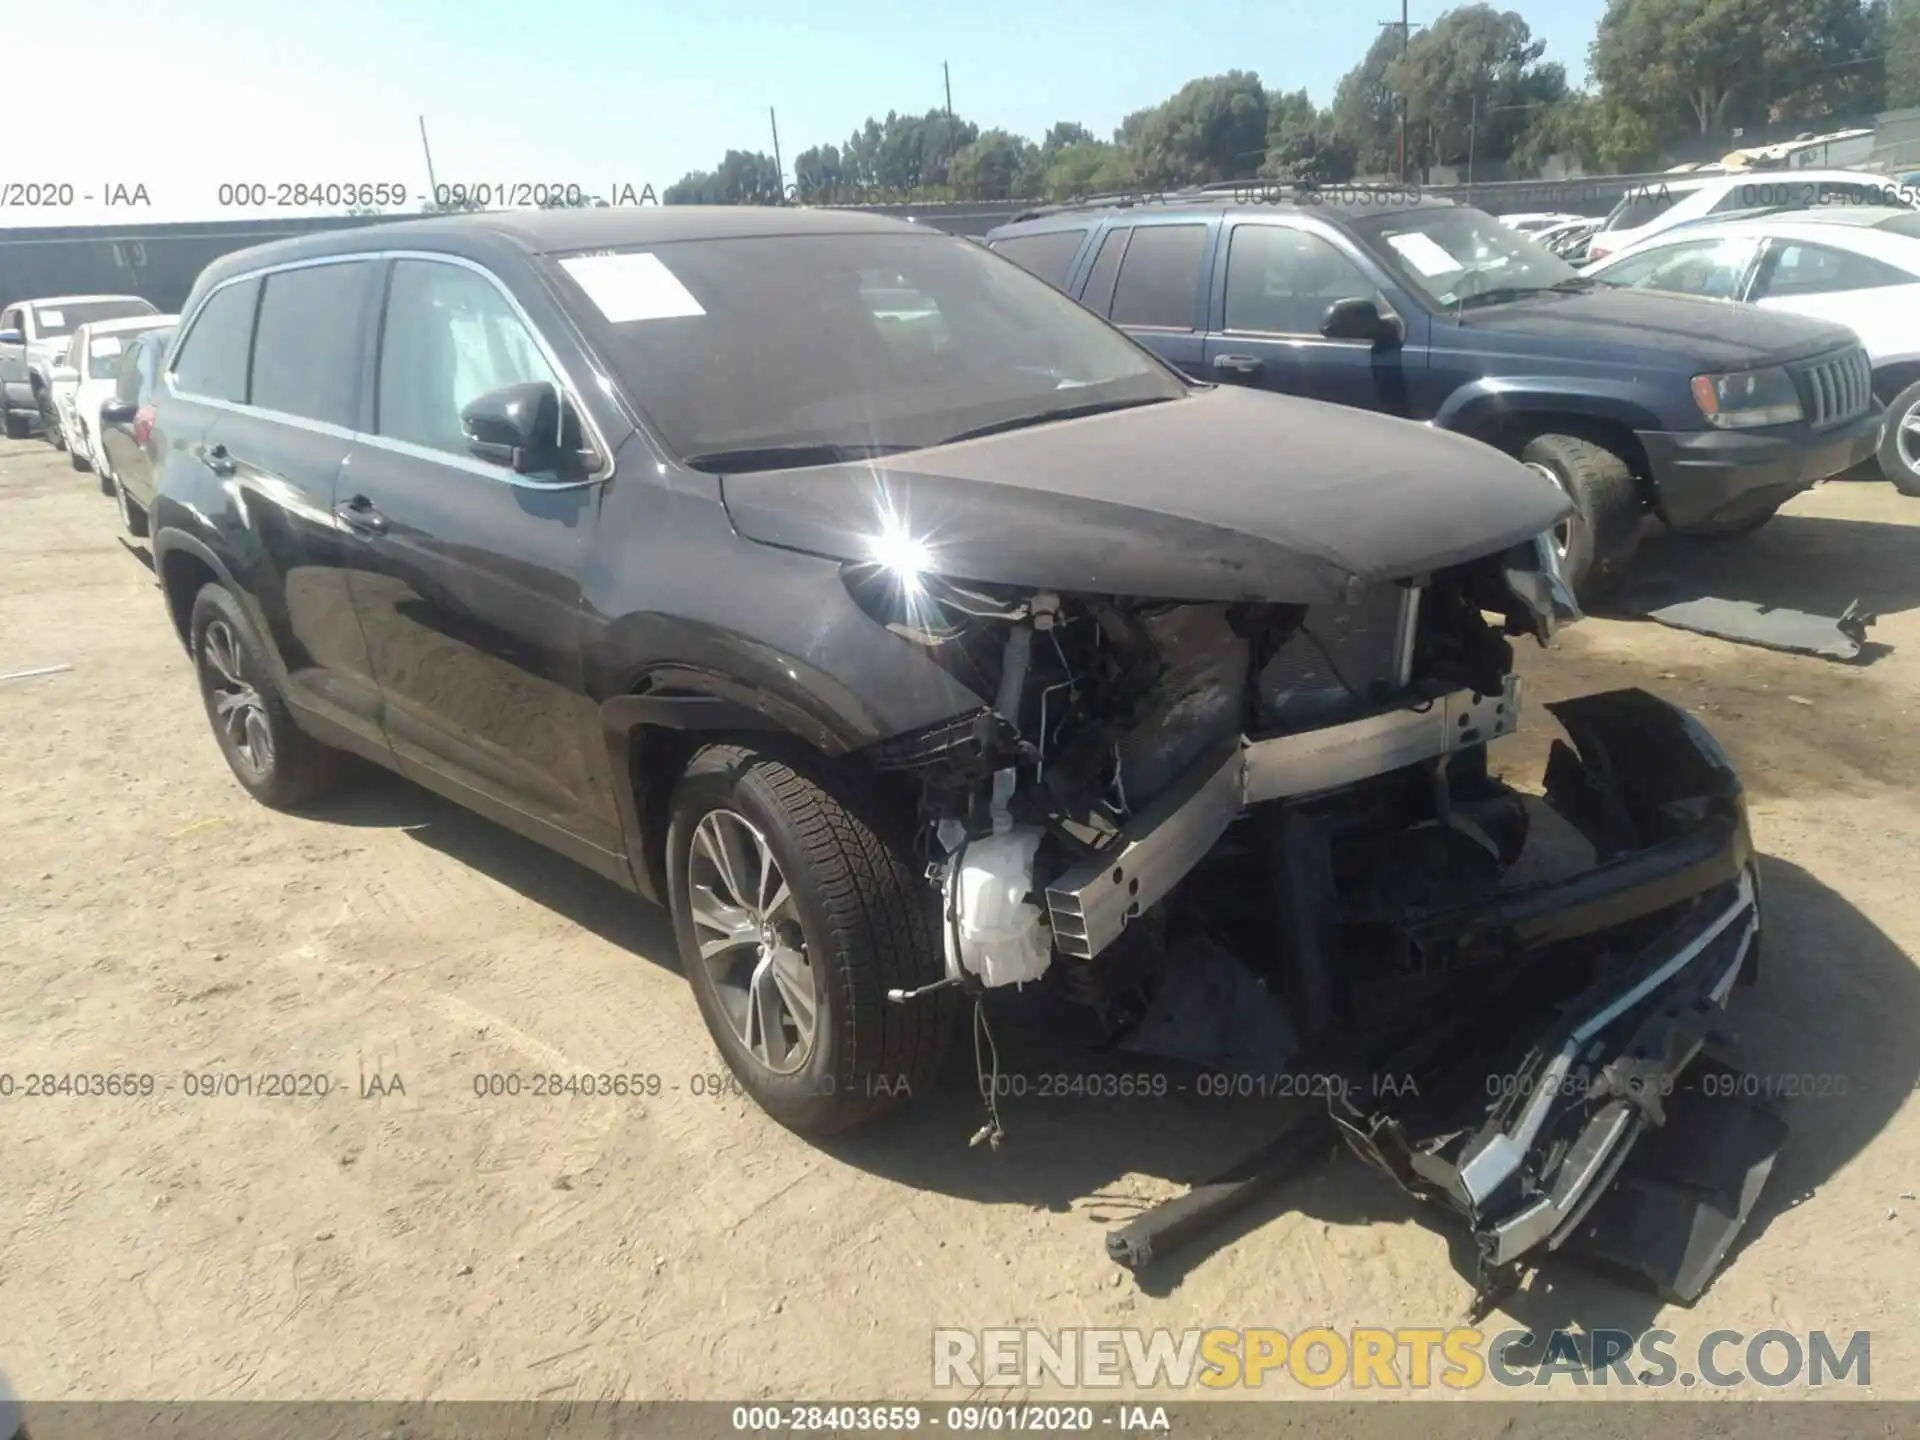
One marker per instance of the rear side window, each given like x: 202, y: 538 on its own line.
x: 1160, y: 277
x: 307, y: 346
x: 1803, y: 269
x: 1048, y: 256
x: 212, y: 362
x: 126, y: 384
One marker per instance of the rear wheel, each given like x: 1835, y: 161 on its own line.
x: 1598, y: 541
x: 18, y: 425
x: 1900, y: 441
x: 796, y: 910
x: 277, y: 762
x: 133, y: 515
x: 50, y: 425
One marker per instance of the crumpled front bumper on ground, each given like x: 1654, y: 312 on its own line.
x: 1531, y: 1130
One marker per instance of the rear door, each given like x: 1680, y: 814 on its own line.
x: 1877, y: 301
x: 13, y: 358
x: 273, y: 456
x: 1150, y: 279
x: 1278, y: 278
x: 467, y: 575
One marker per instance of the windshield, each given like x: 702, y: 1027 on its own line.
x: 1643, y: 206
x: 50, y: 322
x: 1457, y: 257
x: 862, y: 344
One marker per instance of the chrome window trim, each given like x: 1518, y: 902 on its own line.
x: 570, y: 389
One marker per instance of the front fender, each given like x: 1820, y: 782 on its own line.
x: 1483, y: 402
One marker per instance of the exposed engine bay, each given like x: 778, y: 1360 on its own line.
x: 1153, y: 790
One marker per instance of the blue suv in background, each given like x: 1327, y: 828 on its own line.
x: 1706, y: 414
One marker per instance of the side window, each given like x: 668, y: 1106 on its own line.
x: 152, y: 352
x: 1712, y: 268
x: 1160, y: 277
x: 307, y: 345
x: 449, y: 335
x: 213, y: 360
x: 1802, y: 269
x: 127, y: 381
x: 1098, y: 296
x: 1281, y: 280
x: 1048, y: 256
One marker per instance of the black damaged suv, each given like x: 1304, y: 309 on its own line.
x: 1708, y: 414
x: 919, y: 640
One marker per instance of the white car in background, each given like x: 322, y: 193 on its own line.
x: 1859, y: 266
x: 1656, y: 206
x: 84, y: 381
x: 1533, y: 221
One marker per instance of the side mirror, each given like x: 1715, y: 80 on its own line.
x: 118, y: 412
x: 526, y: 427
x: 63, y: 373
x: 12, y: 337
x: 1358, y: 319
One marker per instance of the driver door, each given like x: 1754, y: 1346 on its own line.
x: 466, y: 577
x: 1271, y: 302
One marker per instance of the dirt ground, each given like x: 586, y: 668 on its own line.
x: 427, y: 1242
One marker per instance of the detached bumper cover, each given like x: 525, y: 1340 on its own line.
x: 1525, y: 1136
x: 1720, y: 477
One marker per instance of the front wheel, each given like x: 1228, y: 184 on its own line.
x: 1598, y: 541
x: 1900, y: 441
x: 795, y: 910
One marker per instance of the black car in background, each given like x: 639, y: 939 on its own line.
x: 919, y: 639
x: 126, y: 428
x: 1709, y: 416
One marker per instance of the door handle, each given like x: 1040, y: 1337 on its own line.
x: 1238, y: 364
x: 359, y: 514
x: 216, y: 459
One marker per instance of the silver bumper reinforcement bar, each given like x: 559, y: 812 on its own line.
x: 1093, y: 903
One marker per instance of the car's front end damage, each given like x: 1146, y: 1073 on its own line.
x: 1258, y: 833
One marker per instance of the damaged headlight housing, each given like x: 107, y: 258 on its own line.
x: 1746, y: 398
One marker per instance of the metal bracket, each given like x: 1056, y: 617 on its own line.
x: 1093, y: 903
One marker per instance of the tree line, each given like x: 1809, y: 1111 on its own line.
x: 1474, y: 83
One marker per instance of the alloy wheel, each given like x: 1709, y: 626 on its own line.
x: 1562, y: 531
x: 237, y: 706
x: 1906, y: 437
x: 750, y: 941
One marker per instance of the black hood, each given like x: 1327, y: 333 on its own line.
x: 1681, y: 332
x: 1225, y: 494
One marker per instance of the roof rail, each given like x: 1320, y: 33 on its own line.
x: 1263, y: 186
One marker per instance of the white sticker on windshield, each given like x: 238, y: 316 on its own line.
x: 1423, y: 252
x: 106, y: 345
x: 50, y: 319
x: 632, y: 287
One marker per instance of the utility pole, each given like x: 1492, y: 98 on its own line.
x: 946, y: 78
x: 433, y: 185
x: 1406, y: 33
x: 779, y: 170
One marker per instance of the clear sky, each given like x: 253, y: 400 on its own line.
x: 182, y: 97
